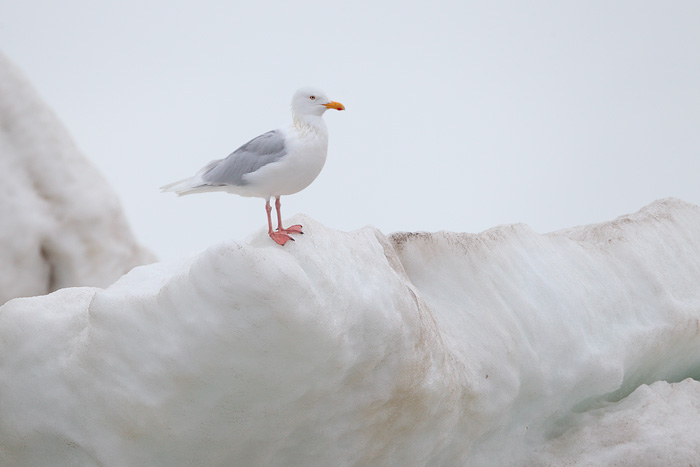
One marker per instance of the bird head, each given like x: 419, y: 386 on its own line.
x: 312, y: 101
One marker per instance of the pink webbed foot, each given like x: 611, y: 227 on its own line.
x: 294, y: 229
x: 280, y: 237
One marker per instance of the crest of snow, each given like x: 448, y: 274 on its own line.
x: 501, y: 348
x: 61, y: 224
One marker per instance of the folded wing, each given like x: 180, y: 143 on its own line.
x: 265, y: 149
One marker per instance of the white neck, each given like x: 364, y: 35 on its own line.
x: 309, y: 123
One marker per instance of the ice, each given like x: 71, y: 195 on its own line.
x: 60, y: 224
x: 656, y: 425
x: 564, y: 321
x: 506, y: 347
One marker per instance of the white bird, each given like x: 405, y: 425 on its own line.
x: 279, y: 162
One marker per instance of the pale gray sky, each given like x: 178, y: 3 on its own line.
x: 460, y: 115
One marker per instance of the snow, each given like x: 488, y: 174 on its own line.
x: 580, y: 347
x: 656, y: 425
x: 61, y: 225
x: 506, y: 347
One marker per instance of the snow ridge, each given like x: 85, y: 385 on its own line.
x: 62, y: 226
x: 353, y: 348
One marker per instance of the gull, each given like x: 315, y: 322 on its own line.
x: 280, y: 162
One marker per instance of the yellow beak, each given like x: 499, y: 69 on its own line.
x: 335, y: 105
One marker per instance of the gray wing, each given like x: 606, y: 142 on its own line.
x: 256, y: 153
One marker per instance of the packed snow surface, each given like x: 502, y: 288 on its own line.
x: 579, y: 347
x: 61, y: 225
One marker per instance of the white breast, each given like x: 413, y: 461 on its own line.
x: 307, y: 150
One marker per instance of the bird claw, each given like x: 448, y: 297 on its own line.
x: 280, y: 237
x: 294, y: 229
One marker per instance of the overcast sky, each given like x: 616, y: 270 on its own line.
x: 460, y: 115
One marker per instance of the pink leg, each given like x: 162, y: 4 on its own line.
x: 279, y: 237
x: 289, y: 230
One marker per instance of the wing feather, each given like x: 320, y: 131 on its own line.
x: 256, y: 153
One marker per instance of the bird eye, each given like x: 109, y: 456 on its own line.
x: 313, y: 98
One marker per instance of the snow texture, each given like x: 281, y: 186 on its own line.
x: 352, y: 348
x: 61, y: 225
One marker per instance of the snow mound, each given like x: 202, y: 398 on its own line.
x: 656, y: 425
x: 352, y: 348
x: 61, y: 225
